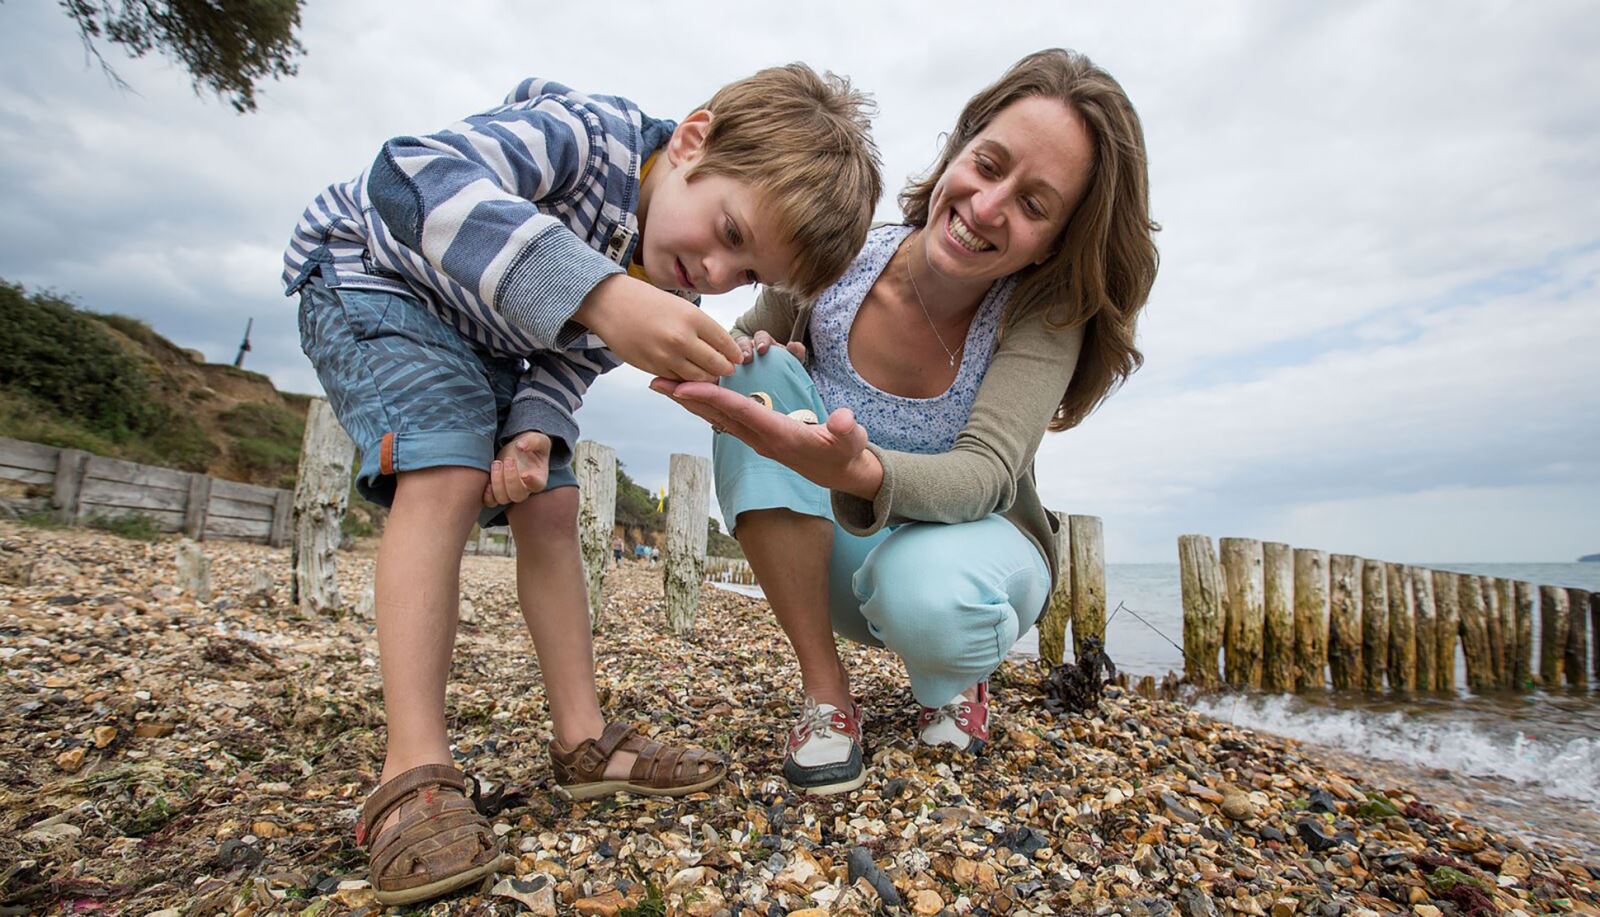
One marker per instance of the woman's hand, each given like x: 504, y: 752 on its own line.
x: 759, y: 344
x: 832, y: 454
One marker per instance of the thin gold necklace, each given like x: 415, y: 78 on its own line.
x: 925, y: 314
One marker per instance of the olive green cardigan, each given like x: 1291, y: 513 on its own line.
x: 989, y: 469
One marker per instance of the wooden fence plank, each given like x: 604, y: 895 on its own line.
x: 26, y: 475
x: 165, y: 520
x: 101, y: 492
x: 245, y: 493
x: 238, y: 509
x: 1552, y: 634
x: 20, y: 454
x: 121, y: 472
x: 248, y: 529
x: 1576, y: 658
x: 1402, y: 629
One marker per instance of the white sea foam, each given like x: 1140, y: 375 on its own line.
x: 1568, y: 768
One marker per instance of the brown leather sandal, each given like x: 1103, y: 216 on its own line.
x: 437, y: 845
x: 659, y: 770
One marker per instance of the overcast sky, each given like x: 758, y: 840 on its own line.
x: 1376, y: 325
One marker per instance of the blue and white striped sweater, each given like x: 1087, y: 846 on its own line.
x: 501, y: 224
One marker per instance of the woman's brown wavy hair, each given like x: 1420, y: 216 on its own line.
x: 1105, y: 261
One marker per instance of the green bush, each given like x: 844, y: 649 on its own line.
x: 65, y: 381
x: 266, y: 437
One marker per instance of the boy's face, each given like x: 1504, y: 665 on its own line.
x: 709, y: 234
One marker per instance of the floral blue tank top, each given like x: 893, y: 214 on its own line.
x: 920, y: 425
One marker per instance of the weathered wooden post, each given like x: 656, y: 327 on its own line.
x: 68, y: 484
x: 1202, y: 609
x: 1243, y: 610
x: 1421, y: 586
x: 1446, y: 626
x: 1402, y: 629
x: 1088, y: 581
x: 1475, y: 633
x: 1277, y: 562
x: 1552, y: 634
x: 194, y: 571
x: 1058, y: 611
x: 689, y: 491
x: 194, y: 507
x: 321, y: 493
x: 1575, y: 660
x: 282, y: 518
x: 1344, y: 621
x: 1498, y: 672
x: 1505, y: 599
x: 1374, y: 623
x: 1310, y: 618
x: 596, y: 468
x: 1594, y: 630
x: 1522, y: 672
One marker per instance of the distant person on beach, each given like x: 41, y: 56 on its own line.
x: 457, y: 300
x: 616, y: 551
x: 1003, y: 307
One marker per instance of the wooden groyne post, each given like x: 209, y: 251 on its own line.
x: 1446, y: 628
x: 689, y: 492
x: 1278, y: 640
x: 1522, y: 670
x: 1290, y: 615
x: 1594, y: 630
x: 1244, y: 611
x: 1057, y: 615
x: 1374, y: 623
x: 1202, y: 609
x: 1475, y: 633
x: 321, y: 493
x: 1552, y: 633
x: 1575, y: 660
x: 1499, y: 671
x: 1420, y: 584
x: 1505, y: 597
x: 1344, y: 621
x: 1402, y: 629
x: 1088, y: 581
x: 1310, y: 618
x: 596, y: 469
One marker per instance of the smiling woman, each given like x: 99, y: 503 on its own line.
x: 1004, y: 306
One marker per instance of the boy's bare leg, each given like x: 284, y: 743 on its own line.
x: 554, y: 597
x: 417, y: 590
x: 788, y: 552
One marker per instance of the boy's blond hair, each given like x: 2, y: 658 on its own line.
x: 803, y: 142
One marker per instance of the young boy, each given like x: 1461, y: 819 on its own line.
x: 459, y: 297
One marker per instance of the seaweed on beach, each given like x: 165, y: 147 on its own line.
x: 1077, y: 686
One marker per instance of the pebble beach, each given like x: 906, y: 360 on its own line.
x: 176, y: 754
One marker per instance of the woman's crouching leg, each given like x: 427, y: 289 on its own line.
x: 951, y: 600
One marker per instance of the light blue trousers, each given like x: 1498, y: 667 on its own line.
x: 950, y: 600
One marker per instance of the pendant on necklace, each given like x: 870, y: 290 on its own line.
x: 952, y: 361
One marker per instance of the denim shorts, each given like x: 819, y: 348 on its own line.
x: 410, y: 391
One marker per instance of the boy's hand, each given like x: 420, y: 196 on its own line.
x: 520, y: 470
x: 656, y: 331
x: 748, y: 347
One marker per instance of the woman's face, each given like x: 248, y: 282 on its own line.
x: 1003, y: 201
